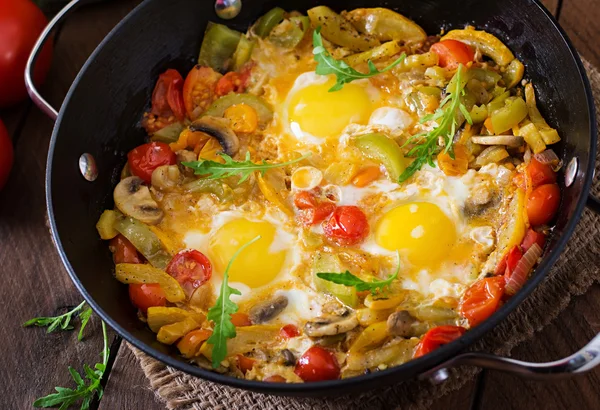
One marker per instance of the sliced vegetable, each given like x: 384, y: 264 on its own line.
x: 230, y: 82
x: 340, y: 173
x: 326, y: 262
x: 243, y: 52
x: 386, y: 24
x: 290, y: 32
x: 191, y: 269
x: 452, y: 53
x: 540, y: 173
x: 144, y: 240
x: 487, y: 43
x: 240, y: 319
x: 189, y: 346
x: 491, y: 155
x: 533, y: 237
x: 169, y: 334
x: 317, y: 364
x: 365, y: 176
x: 454, y: 166
x: 374, y: 335
x: 512, y: 230
x: 123, y: 251
x: 146, y: 295
x: 144, y: 159
x: 263, y: 110
x: 418, y: 61
x: 268, y: 21
x: 367, y: 316
x: 383, y: 301
x: 437, y: 337
x: 548, y: 134
x: 393, y: 353
x: 161, y: 316
x: 220, y: 129
x: 242, y: 117
x: 210, y: 186
x: 519, y: 275
x: 347, y: 225
x: 512, y: 259
x: 106, y: 225
x: 479, y: 113
x: 514, y: 73
x: 532, y: 137
x: 138, y: 273
x: 167, y: 98
x: 272, y: 185
x: 199, y: 90
x: 338, y: 30
x: 168, y: 134
x: 482, y: 299
x: 218, y: 46
x: 507, y: 140
x: 385, y: 150
x: 543, y: 204
x: 289, y: 331
x: 513, y: 112
x: 245, y: 364
x: 497, y: 102
x: 133, y: 198
x: 246, y: 339
x: 385, y: 50
x: 548, y: 157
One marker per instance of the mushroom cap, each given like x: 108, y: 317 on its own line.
x: 133, y: 198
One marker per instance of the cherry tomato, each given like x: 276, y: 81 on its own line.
x: 230, y: 82
x: 437, y: 337
x: 305, y: 200
x: 482, y: 299
x: 289, y: 331
x: 123, y: 250
x: 167, y: 98
x: 347, y: 226
x: 311, y: 216
x: 6, y: 155
x: 144, y: 159
x: 240, y: 320
x: 539, y: 173
x: 512, y: 258
x: 532, y: 237
x: 275, y: 379
x: 191, y: 269
x: 245, y: 363
x: 199, y: 90
x: 452, y: 53
x: 21, y: 23
x: 190, y: 344
x: 147, y: 295
x: 543, y: 204
x: 317, y: 364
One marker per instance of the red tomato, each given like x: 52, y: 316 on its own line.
x: 317, y: 364
x: 123, y: 250
x: 230, y: 82
x: 191, y: 269
x: 539, y: 173
x: 275, y: 379
x: 347, y: 226
x: 452, y: 53
x: 437, y: 337
x: 167, y: 98
x: 245, y: 363
x: 240, y: 320
x: 482, y: 299
x: 21, y: 23
x: 512, y: 258
x: 144, y: 159
x: 199, y: 90
x: 147, y: 295
x: 532, y: 237
x: 305, y: 200
x: 6, y: 154
x: 543, y: 204
x: 317, y: 214
x: 289, y: 331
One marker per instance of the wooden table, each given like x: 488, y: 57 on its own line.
x: 35, y: 283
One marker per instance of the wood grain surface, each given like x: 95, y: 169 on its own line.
x: 35, y: 283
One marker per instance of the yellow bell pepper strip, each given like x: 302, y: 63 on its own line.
x: 514, y: 73
x: 106, y: 224
x: 129, y: 273
x: 513, y: 226
x: 338, y: 30
x: 489, y: 45
x: 392, y: 354
x: 532, y: 137
x: 159, y: 316
x: 263, y: 109
x: 246, y: 339
x: 218, y: 46
x: 340, y: 173
x: 549, y: 134
x: 169, y: 334
x: 243, y: 52
x: 268, y: 21
x: 272, y: 186
x: 378, y: 302
x: 413, y: 61
x: 368, y: 316
x: 513, y: 112
x: 326, y: 262
x: 479, y: 113
x: 385, y: 24
x: 290, y: 32
x: 144, y: 240
x: 373, y: 336
x: 168, y: 134
x: 385, y: 150
x: 385, y: 50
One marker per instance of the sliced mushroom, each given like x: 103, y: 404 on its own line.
x: 508, y: 140
x: 286, y: 357
x: 267, y: 310
x: 218, y: 128
x: 401, y: 324
x: 166, y: 177
x: 483, y: 197
x: 186, y: 156
x: 133, y: 198
x: 331, y: 325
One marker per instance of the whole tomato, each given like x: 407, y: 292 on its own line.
x: 6, y: 154
x: 21, y: 23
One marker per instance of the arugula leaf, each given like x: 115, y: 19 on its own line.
x: 348, y: 279
x: 62, y: 322
x: 221, y: 313
x: 216, y: 170
x: 326, y: 64
x: 447, y: 115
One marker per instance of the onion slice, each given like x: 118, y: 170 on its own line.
x: 519, y: 276
x: 547, y: 157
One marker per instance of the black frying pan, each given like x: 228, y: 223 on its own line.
x: 101, y: 113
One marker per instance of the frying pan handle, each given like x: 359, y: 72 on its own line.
x: 585, y: 359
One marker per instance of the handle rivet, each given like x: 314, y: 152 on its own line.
x: 228, y: 9
x: 439, y: 376
x: 87, y: 167
x: 571, y: 171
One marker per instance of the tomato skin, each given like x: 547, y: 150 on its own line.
x: 240, y: 320
x: 311, y: 216
x: 289, y: 331
x: 317, y: 364
x: 6, y: 155
x: 144, y: 159
x: 167, y: 98
x: 512, y: 258
x: 275, y: 379
x: 482, y: 299
x: 543, y: 204
x: 347, y: 226
x: 191, y: 269
x: 124, y: 251
x: 147, y: 295
x: 199, y: 90
x: 539, y: 173
x: 245, y: 363
x: 452, y: 53
x: 532, y: 237
x: 21, y: 23
x: 437, y: 337
x: 305, y: 200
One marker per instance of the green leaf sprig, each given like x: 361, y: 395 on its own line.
x: 221, y: 313
x: 326, y: 64
x: 348, y: 279
x: 216, y: 170
x: 447, y: 118
x: 63, y: 322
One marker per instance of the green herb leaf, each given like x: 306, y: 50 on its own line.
x: 221, y: 313
x: 85, y: 318
x: 62, y: 322
x: 448, y: 116
x: 348, y: 279
x: 216, y: 170
x: 344, y: 74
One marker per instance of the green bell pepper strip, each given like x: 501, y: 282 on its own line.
x: 210, y: 186
x: 290, y: 32
x: 268, y: 21
x: 144, y: 240
x: 383, y: 149
x: 479, y: 113
x: 218, y: 46
x: 243, y: 52
x: 489, y: 78
x: 264, y: 110
x: 498, y: 102
x: 326, y: 262
x: 514, y: 111
x: 338, y: 30
x: 168, y: 134
x: 514, y: 73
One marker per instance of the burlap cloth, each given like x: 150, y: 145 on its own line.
x: 574, y: 273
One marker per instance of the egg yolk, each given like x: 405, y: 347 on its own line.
x: 258, y: 264
x: 420, y: 230
x: 323, y: 114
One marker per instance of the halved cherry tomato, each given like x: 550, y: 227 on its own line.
x: 144, y: 159
x: 289, y: 331
x: 347, y: 226
x: 191, y: 269
x: 532, y: 237
x: 230, y: 82
x: 124, y: 251
x: 199, y: 90
x: 311, y: 216
x: 317, y: 364
x: 240, y: 320
x: 275, y: 379
x: 245, y: 363
x: 305, y: 200
x: 452, y: 53
x: 437, y: 337
x: 482, y: 299
x: 543, y: 204
x: 539, y: 173
x: 190, y: 344
x: 167, y: 98
x: 147, y: 295
x: 512, y: 259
